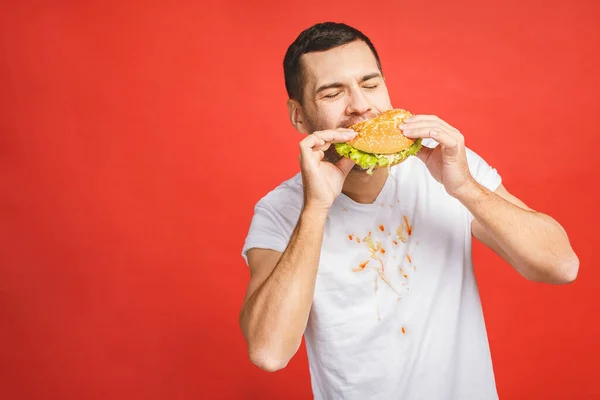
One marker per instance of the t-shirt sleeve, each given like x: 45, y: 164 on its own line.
x: 484, y: 174
x: 269, y: 229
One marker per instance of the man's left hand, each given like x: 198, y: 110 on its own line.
x: 447, y: 162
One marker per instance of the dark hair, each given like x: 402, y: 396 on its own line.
x: 319, y: 37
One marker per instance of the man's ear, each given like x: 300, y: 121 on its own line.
x: 296, y: 115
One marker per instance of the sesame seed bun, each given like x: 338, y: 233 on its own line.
x: 381, y: 134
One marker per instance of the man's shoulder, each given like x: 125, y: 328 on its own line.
x: 288, y: 195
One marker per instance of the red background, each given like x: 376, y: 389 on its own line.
x: 135, y: 140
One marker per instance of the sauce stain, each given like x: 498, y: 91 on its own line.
x: 408, y: 227
x: 403, y: 273
x: 361, y: 266
x: 400, y: 235
x: 376, y: 251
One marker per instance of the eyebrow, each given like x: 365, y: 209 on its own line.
x: 335, y: 85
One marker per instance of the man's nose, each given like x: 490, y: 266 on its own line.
x: 358, y: 103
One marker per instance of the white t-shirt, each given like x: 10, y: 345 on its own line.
x: 396, y: 312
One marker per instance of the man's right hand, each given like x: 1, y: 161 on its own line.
x: 323, y: 180
x: 282, y: 285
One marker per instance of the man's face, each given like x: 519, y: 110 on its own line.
x: 343, y: 86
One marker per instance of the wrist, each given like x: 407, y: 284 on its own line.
x: 315, y: 211
x: 469, y: 193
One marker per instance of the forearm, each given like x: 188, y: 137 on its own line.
x: 536, y: 245
x: 275, y: 316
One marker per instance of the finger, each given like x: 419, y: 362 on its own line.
x: 411, y: 132
x: 345, y: 165
x: 441, y: 136
x: 424, y: 117
x: 429, y: 132
x: 336, y: 136
x: 306, y: 145
x: 424, y: 154
x: 310, y: 158
x: 450, y: 145
x: 409, y: 126
x: 425, y: 132
x: 320, y: 154
x: 324, y: 146
x: 309, y: 141
x: 320, y: 144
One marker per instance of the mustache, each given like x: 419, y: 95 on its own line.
x: 356, y: 119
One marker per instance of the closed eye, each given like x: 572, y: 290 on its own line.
x: 371, y: 87
x: 332, y: 96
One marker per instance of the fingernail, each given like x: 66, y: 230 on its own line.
x: 433, y: 133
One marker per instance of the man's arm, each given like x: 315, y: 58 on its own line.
x: 533, y: 243
x: 281, y: 290
x: 280, y: 293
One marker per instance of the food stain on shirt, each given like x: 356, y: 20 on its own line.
x: 375, y: 242
x: 408, y: 227
x: 375, y: 249
x: 403, y: 273
x: 361, y: 266
x: 400, y: 234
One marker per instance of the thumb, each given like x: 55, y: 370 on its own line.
x: 345, y: 165
x: 424, y: 153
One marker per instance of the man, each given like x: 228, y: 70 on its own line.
x: 376, y: 269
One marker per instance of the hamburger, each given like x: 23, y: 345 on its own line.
x: 380, y: 142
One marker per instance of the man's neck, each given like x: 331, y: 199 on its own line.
x: 363, y: 188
